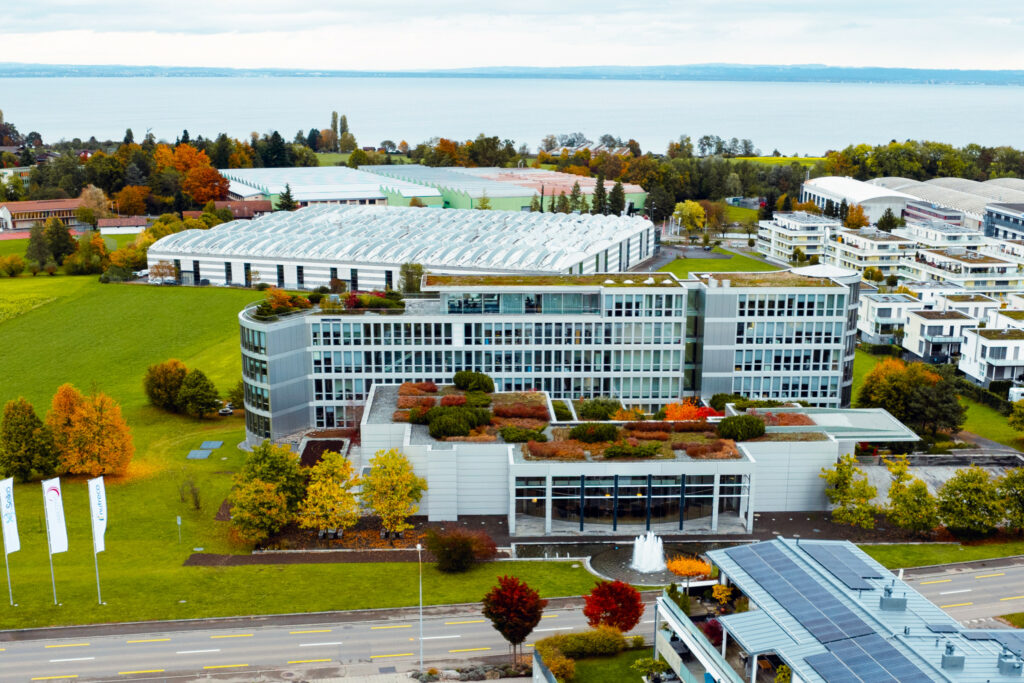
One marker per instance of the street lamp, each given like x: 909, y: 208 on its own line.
x: 419, y: 561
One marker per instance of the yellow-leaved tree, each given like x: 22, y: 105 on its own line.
x: 90, y: 434
x: 392, y: 490
x: 330, y: 501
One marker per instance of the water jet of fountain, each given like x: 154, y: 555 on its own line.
x: 648, y: 554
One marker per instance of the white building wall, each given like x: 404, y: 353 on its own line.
x: 788, y: 473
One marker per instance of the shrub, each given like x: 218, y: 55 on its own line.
x: 417, y: 388
x: 741, y: 428
x: 650, y: 436
x: 1000, y: 387
x: 622, y: 449
x: 784, y: 419
x: 468, y: 380
x: 594, y: 433
x: 536, y: 411
x: 513, y: 434
x: 315, y: 298
x: 562, y: 413
x: 598, y: 409
x: 561, y: 667
x: 418, y: 416
x: 646, y: 426
x: 400, y: 416
x: 712, y: 631
x: 718, y: 401
x: 457, y: 550
x: 474, y: 417
x: 680, y: 598
x: 477, y: 399
x: 448, y: 425
x: 453, y: 400
x: 557, y: 450
x: 597, y: 642
x: 163, y: 382
x: 426, y: 402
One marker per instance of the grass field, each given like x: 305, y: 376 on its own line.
x: 899, y: 555
x: 18, y: 246
x: 984, y: 421
x: 779, y: 161
x: 610, y: 669
x: 104, y: 337
x: 738, y: 214
x: 863, y: 363
x: 737, y: 264
x: 335, y: 158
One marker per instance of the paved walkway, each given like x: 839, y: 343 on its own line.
x: 987, y: 444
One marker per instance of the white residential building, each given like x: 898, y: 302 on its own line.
x: 971, y: 270
x: 929, y: 291
x: 873, y: 198
x: 882, y: 317
x: 993, y: 354
x: 978, y: 306
x: 936, y: 336
x: 867, y: 248
x: 941, y: 235
x: 1006, y: 319
x: 779, y: 237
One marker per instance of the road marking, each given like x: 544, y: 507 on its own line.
x: 400, y: 654
x: 959, y: 604
x: 308, y: 661
x: 557, y: 628
x: 195, y: 652
x: 1015, y: 597
x: 925, y: 583
x: 145, y: 671
x: 475, y: 621
x: 295, y: 633
x: 549, y: 616
x: 53, y: 678
x: 150, y: 640
x: 72, y: 659
x: 376, y: 628
x: 224, y: 666
x: 439, y: 637
x: 235, y: 635
x: 649, y: 621
x: 471, y: 649
x: 318, y: 644
x: 989, y: 576
x: 962, y: 590
x: 69, y: 645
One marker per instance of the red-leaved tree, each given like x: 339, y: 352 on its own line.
x: 514, y: 610
x: 613, y: 603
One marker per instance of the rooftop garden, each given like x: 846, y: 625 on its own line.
x: 969, y: 297
x: 279, y: 302
x: 605, y: 279
x: 1009, y: 334
x: 781, y: 278
x: 1012, y: 314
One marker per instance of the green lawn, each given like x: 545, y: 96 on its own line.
x: 738, y: 214
x: 919, y: 554
x: 18, y: 246
x: 736, y: 264
x: 1017, y: 619
x: 986, y: 422
x: 863, y: 363
x: 335, y: 158
x: 610, y: 669
x: 104, y: 337
x: 779, y: 161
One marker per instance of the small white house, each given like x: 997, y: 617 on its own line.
x: 993, y: 355
x: 936, y: 336
x: 978, y: 306
x: 881, y: 317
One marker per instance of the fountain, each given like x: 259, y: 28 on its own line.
x: 648, y: 554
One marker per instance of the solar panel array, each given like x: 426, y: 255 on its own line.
x: 818, y: 610
x: 942, y: 628
x: 867, y: 659
x: 842, y: 564
x: 1012, y: 639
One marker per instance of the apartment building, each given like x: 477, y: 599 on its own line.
x: 644, y: 338
x: 867, y: 248
x: 993, y: 354
x: 1004, y: 221
x: 941, y: 235
x: 780, y: 237
x: 936, y: 336
x: 973, y: 271
x: 920, y: 210
x: 881, y: 317
x: 978, y: 306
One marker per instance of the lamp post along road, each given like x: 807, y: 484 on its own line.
x: 419, y: 561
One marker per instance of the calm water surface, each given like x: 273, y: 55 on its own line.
x: 804, y: 118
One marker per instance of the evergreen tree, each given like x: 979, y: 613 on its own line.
x: 276, y: 153
x: 59, y: 240
x: 888, y: 221
x: 38, y: 248
x: 844, y: 209
x: 129, y: 137
x: 768, y: 210
x: 535, y: 203
x: 334, y: 127
x: 133, y: 175
x: 343, y: 126
x: 575, y: 197
x: 830, y: 208
x: 562, y: 205
x: 185, y: 139
x: 285, y: 202
x: 26, y: 444
x: 197, y: 395
x: 484, y: 203
x: 600, y: 203
x: 617, y: 200
x: 787, y: 202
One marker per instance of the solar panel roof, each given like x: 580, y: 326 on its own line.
x: 842, y: 564
x: 867, y: 659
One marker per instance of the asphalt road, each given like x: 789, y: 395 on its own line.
x: 321, y: 648
x: 973, y: 596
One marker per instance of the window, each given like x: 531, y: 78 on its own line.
x: 388, y: 281
x: 354, y: 280
x: 300, y: 276
x: 280, y: 276
x: 248, y: 274
x: 227, y: 272
x: 195, y: 272
x: 334, y: 273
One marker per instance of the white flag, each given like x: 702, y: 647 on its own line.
x: 54, y: 505
x: 9, y: 521
x: 98, y: 508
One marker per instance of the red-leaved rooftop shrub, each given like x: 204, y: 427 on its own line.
x: 453, y: 400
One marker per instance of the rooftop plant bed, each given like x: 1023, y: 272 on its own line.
x: 389, y: 302
x: 600, y: 409
x: 562, y: 413
x: 279, y: 302
x: 707, y: 448
x: 783, y: 419
x: 792, y: 436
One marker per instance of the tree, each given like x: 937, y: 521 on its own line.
x: 617, y: 200
x: 535, y: 204
x: 562, y: 203
x: 38, y: 249
x: 66, y: 402
x: 26, y: 444
x: 276, y: 465
x: 259, y: 509
x: 197, y: 396
x: 330, y: 501
x: 888, y: 221
x: 285, y: 202
x: 59, y: 240
x: 514, y: 609
x: 856, y: 218
x: 346, y: 143
x: 599, y: 205
x: 131, y: 200
x: 911, y: 506
x: 484, y: 203
x: 411, y: 274
x: 575, y: 198
x: 1016, y: 417
x: 357, y: 158
x: 1011, y: 489
x: 162, y: 383
x: 798, y: 255
x: 205, y: 184
x: 334, y: 130
x: 767, y: 211
x: 96, y: 440
x: 914, y: 395
x: 969, y: 503
x: 392, y: 490
x: 690, y: 215
x: 847, y: 487
x: 94, y: 199
x: 457, y: 550
x: 613, y: 603
x: 843, y: 210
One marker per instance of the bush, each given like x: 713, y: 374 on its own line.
x: 650, y: 436
x: 426, y: 402
x: 557, y: 450
x: 598, y: 409
x: 562, y: 413
x: 718, y: 401
x: 262, y: 286
x: 601, y: 641
x: 448, y: 425
x: 561, y: 667
x: 740, y: 428
x: 477, y: 399
x: 453, y: 400
x: 881, y: 349
x: 622, y: 449
x: 315, y: 298
x: 475, y: 417
x: 163, y: 382
x: 536, y: 411
x: 712, y: 631
x: 680, y: 427
x: 681, y: 599
x: 646, y: 426
x: 594, y: 433
x: 416, y: 388
x: 1000, y: 387
x: 468, y: 380
x: 519, y: 435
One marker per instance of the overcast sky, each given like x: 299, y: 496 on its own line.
x: 421, y: 34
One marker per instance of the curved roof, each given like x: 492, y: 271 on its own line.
x: 996, y: 193
x: 436, y: 238
x: 856, y: 191
x: 936, y: 194
x: 1012, y: 183
x: 320, y: 183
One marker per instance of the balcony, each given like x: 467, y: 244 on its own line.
x: 942, y: 339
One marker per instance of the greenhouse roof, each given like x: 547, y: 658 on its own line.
x: 455, y: 179
x: 501, y: 241
x: 320, y: 183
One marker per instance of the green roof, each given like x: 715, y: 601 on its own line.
x: 1013, y: 314
x: 779, y: 278
x: 996, y: 335
x: 599, y: 279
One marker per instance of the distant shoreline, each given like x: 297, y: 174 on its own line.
x: 696, y: 73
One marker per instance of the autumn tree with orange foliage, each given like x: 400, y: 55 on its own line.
x: 90, y: 434
x: 131, y: 200
x: 914, y: 394
x: 687, y: 411
x: 856, y: 218
x: 689, y: 567
x: 204, y: 184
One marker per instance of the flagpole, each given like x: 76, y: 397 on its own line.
x: 49, y: 551
x: 96, y: 561
x: 7, y: 566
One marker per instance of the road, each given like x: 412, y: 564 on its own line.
x: 974, y: 595
x: 325, y: 649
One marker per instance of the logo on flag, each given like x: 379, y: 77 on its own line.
x: 98, y: 509
x: 53, y: 504
x: 8, y: 520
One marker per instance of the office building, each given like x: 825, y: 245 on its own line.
x: 1005, y: 221
x: 23, y: 215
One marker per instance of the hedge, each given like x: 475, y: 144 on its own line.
x: 594, y: 433
x: 741, y: 428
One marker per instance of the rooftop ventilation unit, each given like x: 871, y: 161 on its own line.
x: 1009, y: 664
x: 889, y: 603
x: 952, y: 661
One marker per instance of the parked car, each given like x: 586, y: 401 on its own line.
x: 225, y: 411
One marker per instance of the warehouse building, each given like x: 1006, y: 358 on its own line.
x: 365, y: 246
x: 325, y: 185
x: 874, y: 199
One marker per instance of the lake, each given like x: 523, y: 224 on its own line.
x: 801, y: 118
